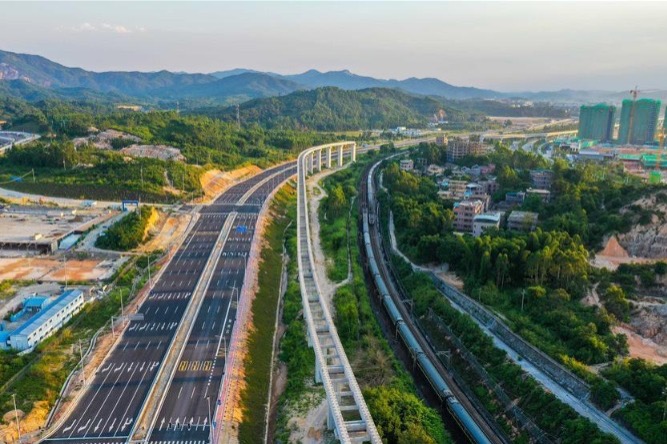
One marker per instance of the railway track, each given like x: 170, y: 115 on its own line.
x: 474, y: 424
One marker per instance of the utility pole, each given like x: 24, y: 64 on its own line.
x: 16, y: 414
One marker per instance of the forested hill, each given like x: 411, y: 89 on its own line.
x: 334, y: 109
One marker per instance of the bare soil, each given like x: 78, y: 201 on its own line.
x: 214, y: 181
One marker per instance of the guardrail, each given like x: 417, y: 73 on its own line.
x: 332, y: 367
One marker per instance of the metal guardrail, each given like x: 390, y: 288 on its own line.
x: 332, y: 366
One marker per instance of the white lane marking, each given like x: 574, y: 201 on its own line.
x: 83, y: 426
x: 119, y: 397
x: 112, y: 424
x: 179, y: 392
x: 97, y: 391
x: 70, y: 427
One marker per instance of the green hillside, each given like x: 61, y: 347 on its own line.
x: 333, y: 109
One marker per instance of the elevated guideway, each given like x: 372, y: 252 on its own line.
x: 348, y: 415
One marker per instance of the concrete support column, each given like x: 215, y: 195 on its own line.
x: 312, y: 162
x: 330, y: 420
x: 340, y: 155
x: 329, y: 157
x: 319, y: 160
x: 354, y: 152
x: 318, y: 372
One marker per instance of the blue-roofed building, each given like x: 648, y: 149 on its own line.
x: 31, y: 306
x: 47, y: 321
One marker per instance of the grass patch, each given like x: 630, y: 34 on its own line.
x: 260, y: 343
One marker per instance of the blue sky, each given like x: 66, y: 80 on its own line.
x: 504, y: 46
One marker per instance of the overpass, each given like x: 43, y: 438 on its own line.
x: 348, y: 415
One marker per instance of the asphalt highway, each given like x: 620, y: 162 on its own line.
x: 192, y: 398
x: 116, y: 392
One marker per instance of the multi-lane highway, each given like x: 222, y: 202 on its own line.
x: 114, y: 398
x: 189, y: 405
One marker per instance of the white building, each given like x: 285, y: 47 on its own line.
x: 47, y: 321
x: 482, y: 222
x: 407, y: 165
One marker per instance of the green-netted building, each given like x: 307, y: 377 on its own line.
x: 638, y: 127
x: 596, y: 122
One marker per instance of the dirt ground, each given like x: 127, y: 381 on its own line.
x: 53, y: 270
x: 641, y: 347
x: 167, y: 229
x: 613, y: 254
x: 215, y: 181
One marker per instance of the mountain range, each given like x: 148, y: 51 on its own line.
x: 33, y: 76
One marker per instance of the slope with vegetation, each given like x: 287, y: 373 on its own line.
x: 333, y: 109
x: 129, y: 232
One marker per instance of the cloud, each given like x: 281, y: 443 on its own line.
x: 102, y: 27
x: 119, y: 29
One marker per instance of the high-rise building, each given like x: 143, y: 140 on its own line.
x: 639, y: 121
x: 597, y: 122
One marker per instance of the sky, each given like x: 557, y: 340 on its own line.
x: 515, y: 46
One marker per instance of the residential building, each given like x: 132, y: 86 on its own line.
x: 596, y: 122
x: 464, y: 214
x: 544, y: 195
x: 407, y: 165
x: 459, y: 148
x: 420, y: 162
x: 483, y: 222
x: 639, y: 121
x: 434, y: 170
x: 489, y: 186
x: 441, y: 139
x: 515, y: 197
x: 456, y: 187
x: 522, y: 221
x: 475, y: 191
x: 541, y: 178
x: 47, y: 321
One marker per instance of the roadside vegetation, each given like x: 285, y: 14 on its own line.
x: 129, y: 232
x: 536, y: 280
x: 258, y: 363
x: 300, y: 392
x: 400, y: 415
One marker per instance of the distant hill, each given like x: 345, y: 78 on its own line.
x: 428, y: 87
x: 232, y: 89
x: 237, y: 85
x: 335, y: 109
x: 45, y: 73
x: 21, y: 89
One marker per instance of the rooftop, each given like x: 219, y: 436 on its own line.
x: 36, y: 321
